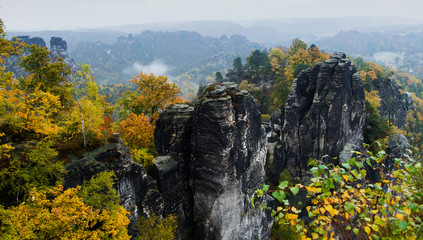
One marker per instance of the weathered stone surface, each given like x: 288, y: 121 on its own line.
x: 173, y: 141
x: 32, y: 40
x: 394, y: 105
x: 226, y: 163
x: 323, y: 115
x: 138, y: 192
x: 59, y: 48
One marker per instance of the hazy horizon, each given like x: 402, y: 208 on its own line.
x: 30, y: 15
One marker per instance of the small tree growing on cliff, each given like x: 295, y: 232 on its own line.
x: 152, y: 96
x: 139, y: 111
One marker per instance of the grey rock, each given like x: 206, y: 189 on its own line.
x: 227, y: 147
x: 324, y: 114
x: 138, y: 192
x: 394, y: 104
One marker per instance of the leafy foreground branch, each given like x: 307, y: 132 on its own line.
x: 343, y: 204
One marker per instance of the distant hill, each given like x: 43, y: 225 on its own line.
x: 267, y: 32
x: 399, y: 47
x: 170, y: 53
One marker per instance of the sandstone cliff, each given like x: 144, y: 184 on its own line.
x: 323, y: 115
x: 221, y: 168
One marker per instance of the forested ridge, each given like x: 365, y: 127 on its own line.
x: 52, y: 116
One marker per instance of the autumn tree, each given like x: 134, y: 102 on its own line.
x: 26, y: 104
x: 137, y: 133
x: 58, y: 214
x: 87, y: 114
x: 34, y: 167
x: 152, y: 96
x: 49, y: 73
x: 138, y: 111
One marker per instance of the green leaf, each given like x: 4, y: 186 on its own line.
x: 265, y: 188
x: 355, y: 173
x: 337, y: 178
x: 259, y: 192
x: 413, y: 206
x: 279, y: 195
x: 355, y: 230
x: 363, y: 172
x: 375, y: 236
x: 295, y: 190
x: 329, y: 183
x: 314, y: 170
x: 252, y: 201
x: 322, y: 167
x: 349, y: 207
x: 402, y: 224
x: 346, y: 166
x: 283, y: 185
x: 348, y: 227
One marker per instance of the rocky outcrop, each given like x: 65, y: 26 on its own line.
x: 394, y: 105
x: 32, y: 40
x: 138, y: 191
x: 59, y: 48
x: 172, y: 170
x: 323, y: 115
x: 225, y: 162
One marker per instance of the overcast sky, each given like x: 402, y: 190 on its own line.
x: 60, y: 14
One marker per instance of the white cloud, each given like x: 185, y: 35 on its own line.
x: 156, y: 67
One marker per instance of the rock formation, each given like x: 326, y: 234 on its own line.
x: 59, y: 48
x: 32, y: 40
x: 394, y: 104
x: 323, y: 115
x: 138, y: 191
x: 219, y: 148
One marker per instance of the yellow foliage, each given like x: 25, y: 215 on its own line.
x: 373, y: 98
x: 157, y: 228
x: 28, y: 111
x: 58, y: 214
x: 136, y: 131
x: 153, y: 95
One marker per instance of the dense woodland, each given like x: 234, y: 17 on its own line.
x: 53, y: 113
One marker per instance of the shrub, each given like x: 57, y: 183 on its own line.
x: 344, y: 204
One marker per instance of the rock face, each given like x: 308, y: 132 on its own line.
x: 59, y: 48
x: 32, y: 40
x: 394, y: 104
x: 138, y: 192
x: 220, y: 149
x: 324, y: 114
